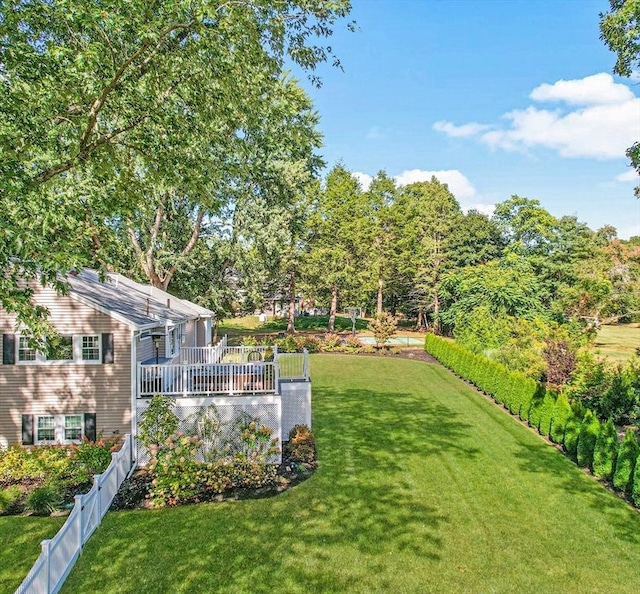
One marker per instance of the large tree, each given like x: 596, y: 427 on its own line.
x: 334, y: 265
x: 97, y: 99
x: 426, y: 213
x: 620, y: 30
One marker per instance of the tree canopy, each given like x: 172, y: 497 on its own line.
x: 101, y: 103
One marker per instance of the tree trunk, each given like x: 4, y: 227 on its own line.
x: 334, y: 307
x: 436, y: 314
x: 420, y: 322
x: 379, y: 305
x: 291, y: 324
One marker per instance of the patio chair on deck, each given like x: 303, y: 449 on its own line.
x: 254, y: 356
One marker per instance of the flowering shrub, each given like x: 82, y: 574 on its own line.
x: 257, y: 444
x: 39, y: 479
x: 301, y: 446
x: 331, y: 343
x: 309, y: 342
x: 352, y: 344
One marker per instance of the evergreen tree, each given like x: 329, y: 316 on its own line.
x: 561, y: 414
x: 626, y: 461
x: 589, y: 430
x: 605, y: 451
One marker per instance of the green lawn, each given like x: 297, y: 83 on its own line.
x: 20, y: 538
x: 423, y: 486
x: 618, y: 342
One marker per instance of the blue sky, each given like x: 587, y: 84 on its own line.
x: 496, y: 97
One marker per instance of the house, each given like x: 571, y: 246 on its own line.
x: 122, y: 342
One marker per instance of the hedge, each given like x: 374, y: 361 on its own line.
x: 589, y: 430
x: 605, y: 451
x: 627, y: 456
x: 581, y: 434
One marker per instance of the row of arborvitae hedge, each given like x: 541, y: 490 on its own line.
x: 585, y: 439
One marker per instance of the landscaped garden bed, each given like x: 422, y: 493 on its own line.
x: 43, y: 480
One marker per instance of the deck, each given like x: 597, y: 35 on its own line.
x: 222, y: 371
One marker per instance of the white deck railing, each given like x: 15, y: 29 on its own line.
x: 59, y: 554
x: 223, y: 370
x: 293, y: 366
x: 207, y: 380
x: 211, y: 354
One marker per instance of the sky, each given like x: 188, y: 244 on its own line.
x: 493, y: 97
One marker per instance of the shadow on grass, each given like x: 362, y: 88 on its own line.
x: 560, y: 470
x: 333, y: 533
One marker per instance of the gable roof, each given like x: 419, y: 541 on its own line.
x: 138, y: 305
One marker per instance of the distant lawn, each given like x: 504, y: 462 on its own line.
x: 618, y: 342
x: 423, y: 486
x: 251, y: 326
x: 20, y: 539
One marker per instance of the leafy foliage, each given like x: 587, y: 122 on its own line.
x: 158, y: 422
x: 589, y: 431
x: 626, y: 461
x: 384, y: 327
x: 605, y: 451
x: 301, y: 446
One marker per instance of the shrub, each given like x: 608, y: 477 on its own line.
x: 91, y: 457
x: 158, y: 423
x: 352, y: 344
x: 177, y: 478
x: 44, y: 500
x: 301, y: 446
x: 288, y: 344
x: 331, y: 343
x: 625, y: 463
x: 561, y: 360
x: 257, y: 444
x: 309, y: 342
x: 546, y: 412
x: 560, y: 416
x: 605, y: 451
x: 10, y: 500
x: 589, y: 430
x: 572, y: 431
x: 635, y: 489
x: 383, y: 326
x: 536, y: 407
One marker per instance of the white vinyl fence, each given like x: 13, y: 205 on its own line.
x: 59, y: 554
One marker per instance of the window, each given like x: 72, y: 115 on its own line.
x: 59, y: 428
x: 91, y: 348
x: 46, y: 429
x: 73, y: 427
x: 25, y: 352
x: 62, y: 350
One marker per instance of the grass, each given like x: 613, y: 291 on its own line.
x: 20, y: 538
x: 423, y: 485
x: 618, y: 342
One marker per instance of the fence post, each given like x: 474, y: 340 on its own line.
x: 44, y: 546
x: 78, y: 503
x: 305, y: 364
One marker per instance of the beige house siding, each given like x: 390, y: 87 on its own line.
x: 67, y: 387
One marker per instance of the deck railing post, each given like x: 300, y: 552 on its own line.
x: 305, y: 364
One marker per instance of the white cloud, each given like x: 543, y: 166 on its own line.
x: 458, y: 184
x: 598, y: 89
x: 607, y: 123
x: 483, y: 208
x: 364, y: 179
x: 450, y: 129
x: 628, y: 176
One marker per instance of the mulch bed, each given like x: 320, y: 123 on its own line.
x: 134, y: 491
